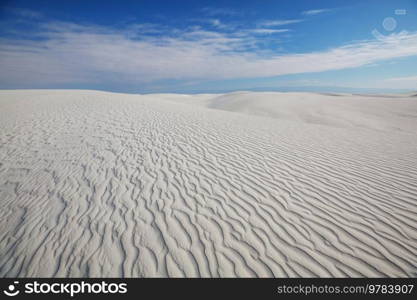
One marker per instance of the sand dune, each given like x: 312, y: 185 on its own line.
x: 242, y: 184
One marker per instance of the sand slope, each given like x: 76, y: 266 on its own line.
x: 242, y: 184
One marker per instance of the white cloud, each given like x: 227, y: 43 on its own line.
x: 24, y: 13
x: 66, y: 53
x: 272, y: 23
x: 216, y: 22
x: 409, y: 82
x: 410, y: 79
x: 315, y: 11
x: 268, y: 31
x: 215, y: 11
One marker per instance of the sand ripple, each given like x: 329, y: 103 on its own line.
x: 101, y: 184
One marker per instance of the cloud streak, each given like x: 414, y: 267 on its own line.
x: 313, y: 12
x: 273, y: 23
x: 213, y: 11
x: 409, y: 82
x: 268, y: 31
x: 409, y: 78
x: 67, y: 53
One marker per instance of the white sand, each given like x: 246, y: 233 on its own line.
x: 242, y: 184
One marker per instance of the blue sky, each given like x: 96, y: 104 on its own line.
x: 209, y: 46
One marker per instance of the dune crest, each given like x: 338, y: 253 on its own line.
x: 243, y: 184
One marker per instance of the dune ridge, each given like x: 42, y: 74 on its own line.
x: 101, y: 184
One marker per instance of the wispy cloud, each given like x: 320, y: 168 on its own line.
x: 216, y: 23
x: 217, y: 11
x: 409, y: 78
x: 65, y: 53
x: 409, y: 82
x: 272, y: 23
x: 24, y: 13
x: 315, y: 11
x: 268, y: 30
